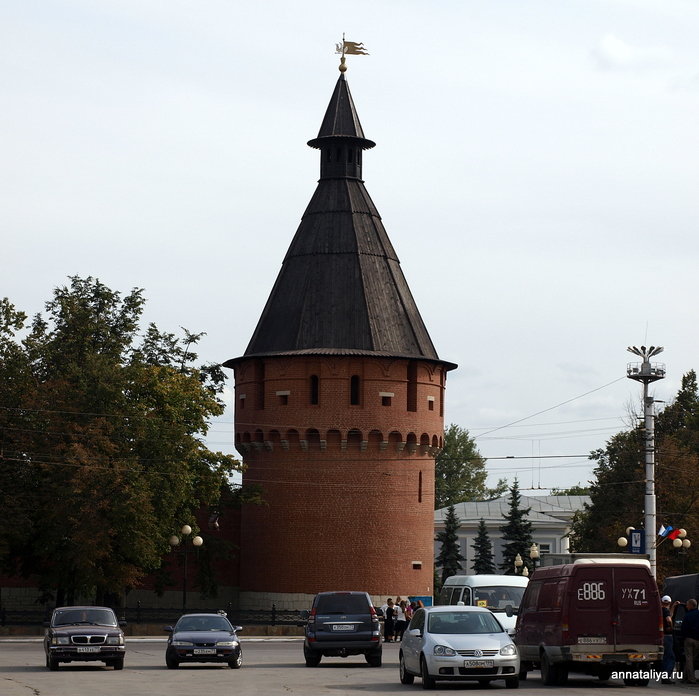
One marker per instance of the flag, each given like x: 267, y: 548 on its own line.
x: 664, y: 531
x: 351, y: 48
x: 674, y: 534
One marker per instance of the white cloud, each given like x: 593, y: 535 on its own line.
x: 613, y: 53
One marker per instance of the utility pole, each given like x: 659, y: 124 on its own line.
x: 646, y: 373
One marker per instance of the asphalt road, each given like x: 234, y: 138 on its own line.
x: 271, y: 667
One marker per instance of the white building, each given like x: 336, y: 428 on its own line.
x: 550, y: 517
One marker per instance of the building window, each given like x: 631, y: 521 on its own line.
x: 412, y: 386
x: 314, y: 390
x: 241, y: 401
x: 283, y: 397
x: 354, y: 390
x: 386, y: 398
x: 544, y: 548
x: 419, y: 487
x: 430, y: 403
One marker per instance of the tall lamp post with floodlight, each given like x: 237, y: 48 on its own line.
x: 175, y: 541
x: 647, y: 372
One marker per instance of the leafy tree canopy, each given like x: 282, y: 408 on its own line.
x: 102, y: 455
x: 573, y: 490
x: 460, y: 474
x: 617, y: 493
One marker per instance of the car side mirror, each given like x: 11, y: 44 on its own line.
x: 167, y: 629
x: 122, y: 622
x: 305, y: 614
x: 415, y: 632
x: 379, y: 613
x: 237, y: 629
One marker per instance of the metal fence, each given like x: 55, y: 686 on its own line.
x: 149, y: 615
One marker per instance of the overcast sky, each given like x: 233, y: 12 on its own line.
x: 536, y: 169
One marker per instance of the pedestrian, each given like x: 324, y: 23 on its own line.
x: 690, y: 633
x: 668, y: 638
x: 401, y: 620
x: 389, y: 622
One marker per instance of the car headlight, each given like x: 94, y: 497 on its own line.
x: 60, y: 640
x: 182, y: 643
x: 444, y: 650
x: 508, y: 650
x: 115, y: 640
x: 227, y: 643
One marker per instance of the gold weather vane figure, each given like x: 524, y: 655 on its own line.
x: 349, y: 48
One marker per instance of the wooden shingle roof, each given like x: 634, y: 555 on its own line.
x: 341, y: 289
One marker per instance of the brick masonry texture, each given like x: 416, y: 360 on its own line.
x: 348, y: 488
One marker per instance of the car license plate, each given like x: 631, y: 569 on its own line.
x: 343, y: 627
x: 204, y: 651
x: 89, y: 648
x: 486, y: 664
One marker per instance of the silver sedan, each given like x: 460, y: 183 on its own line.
x: 457, y: 644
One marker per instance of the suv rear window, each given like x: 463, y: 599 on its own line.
x: 342, y: 604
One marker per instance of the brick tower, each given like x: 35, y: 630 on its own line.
x: 339, y: 402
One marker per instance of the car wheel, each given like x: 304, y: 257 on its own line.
x: 373, y: 658
x: 512, y: 683
x: 604, y: 673
x: 549, y: 671
x: 312, y: 658
x: 118, y: 664
x: 405, y: 676
x: 237, y: 661
x: 428, y: 682
x: 171, y: 662
x: 52, y: 663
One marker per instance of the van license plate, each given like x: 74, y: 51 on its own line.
x: 592, y: 640
x: 343, y: 627
x: 486, y: 664
x: 88, y: 649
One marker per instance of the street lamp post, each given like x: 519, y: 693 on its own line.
x: 518, y: 563
x: 534, y: 554
x: 174, y: 542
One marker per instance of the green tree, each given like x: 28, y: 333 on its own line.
x: 573, y: 490
x: 449, y: 557
x: 617, y: 493
x: 102, y: 455
x: 460, y: 473
x: 516, y: 532
x: 483, y: 562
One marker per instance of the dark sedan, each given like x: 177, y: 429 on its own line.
x: 203, y: 638
x: 81, y: 634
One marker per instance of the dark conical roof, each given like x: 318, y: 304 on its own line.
x: 341, y: 289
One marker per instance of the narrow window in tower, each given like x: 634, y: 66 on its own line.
x: 283, y: 397
x: 430, y: 403
x: 386, y: 398
x: 241, y: 401
x: 259, y: 384
x: 328, y: 155
x: 419, y: 487
x: 350, y: 155
x: 412, y: 386
x: 314, y: 390
x: 354, y: 390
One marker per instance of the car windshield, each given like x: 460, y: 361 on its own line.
x: 342, y: 604
x: 462, y: 622
x: 498, y: 597
x: 203, y: 623
x: 71, y: 617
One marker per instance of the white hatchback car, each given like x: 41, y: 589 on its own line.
x: 457, y: 644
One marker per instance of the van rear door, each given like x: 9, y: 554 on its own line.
x: 614, y: 606
x: 638, y: 607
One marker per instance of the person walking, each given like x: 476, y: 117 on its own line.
x: 389, y: 622
x: 668, y: 639
x: 690, y: 633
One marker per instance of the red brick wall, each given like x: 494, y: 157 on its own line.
x: 349, y: 489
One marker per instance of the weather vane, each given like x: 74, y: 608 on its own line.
x: 349, y: 48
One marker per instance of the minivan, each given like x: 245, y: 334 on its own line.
x: 501, y: 594
x: 595, y: 618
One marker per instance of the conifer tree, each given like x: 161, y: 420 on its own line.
x: 449, y: 557
x: 483, y: 561
x: 516, y: 533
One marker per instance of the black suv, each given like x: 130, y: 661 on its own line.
x: 82, y: 634
x: 342, y: 624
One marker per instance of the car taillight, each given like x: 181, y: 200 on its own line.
x: 312, y: 618
x: 374, y: 617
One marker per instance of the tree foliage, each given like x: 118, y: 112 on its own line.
x: 483, y: 562
x: 449, y: 557
x: 617, y: 493
x: 516, y: 532
x: 460, y: 474
x: 102, y: 455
